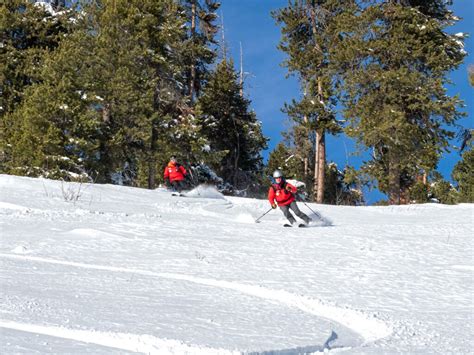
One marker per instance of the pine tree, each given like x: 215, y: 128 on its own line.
x: 463, y: 174
x: 109, y: 95
x: 178, y: 79
x: 30, y: 33
x: 284, y: 158
x: 180, y: 133
x: 306, y: 38
x: 111, y: 100
x: 231, y: 127
x: 113, y: 38
x: 199, y: 54
x: 393, y: 57
x: 136, y: 53
x: 342, y: 187
x: 440, y: 190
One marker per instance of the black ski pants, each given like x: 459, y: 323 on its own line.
x: 178, y: 185
x: 296, y: 210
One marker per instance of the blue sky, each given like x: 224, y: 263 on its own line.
x: 250, y: 22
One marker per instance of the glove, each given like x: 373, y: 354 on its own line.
x: 274, y: 205
x: 288, y: 188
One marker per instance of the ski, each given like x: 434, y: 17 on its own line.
x: 301, y: 225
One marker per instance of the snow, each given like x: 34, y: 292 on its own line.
x: 46, y: 5
x: 128, y: 270
x: 459, y: 39
x: 296, y: 183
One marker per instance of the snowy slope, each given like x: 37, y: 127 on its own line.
x: 123, y: 270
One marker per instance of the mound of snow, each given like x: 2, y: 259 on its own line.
x: 20, y: 249
x: 245, y: 218
x: 205, y: 191
x: 319, y: 221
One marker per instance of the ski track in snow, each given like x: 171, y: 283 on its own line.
x: 124, y: 341
x: 370, y: 328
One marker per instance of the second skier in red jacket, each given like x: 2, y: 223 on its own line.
x: 175, y: 173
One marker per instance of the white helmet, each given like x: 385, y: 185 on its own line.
x: 277, y: 174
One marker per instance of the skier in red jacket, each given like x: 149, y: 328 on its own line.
x: 282, y: 193
x: 175, y: 173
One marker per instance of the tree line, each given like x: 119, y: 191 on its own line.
x: 108, y: 90
x: 377, y: 71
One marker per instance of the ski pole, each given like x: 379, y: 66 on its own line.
x: 256, y: 221
x: 316, y: 213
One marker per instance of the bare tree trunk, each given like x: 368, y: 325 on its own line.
x: 104, y: 148
x: 241, y: 90
x: 192, y: 77
x: 105, y: 162
x: 237, y: 157
x: 106, y: 113
x: 321, y: 152
x: 151, y: 161
x: 322, y: 166
x: 320, y: 136
x: 153, y: 140
x: 316, y: 168
x: 223, y: 45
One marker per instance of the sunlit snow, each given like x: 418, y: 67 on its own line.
x: 125, y: 270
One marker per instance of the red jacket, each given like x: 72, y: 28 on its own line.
x: 280, y: 194
x: 174, y: 172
